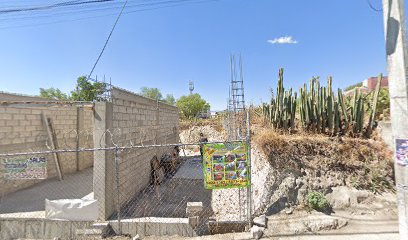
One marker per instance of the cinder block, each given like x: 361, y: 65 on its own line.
x: 61, y: 229
x: 194, y: 209
x: 18, y: 117
x: 34, y: 229
x: 12, y: 229
x: 6, y: 116
x: 194, y: 221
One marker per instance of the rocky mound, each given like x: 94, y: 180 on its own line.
x: 287, y: 167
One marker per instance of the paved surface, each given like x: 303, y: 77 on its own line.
x: 30, y: 202
x: 169, y: 199
x: 247, y: 236
x: 365, y: 236
x: 190, y: 169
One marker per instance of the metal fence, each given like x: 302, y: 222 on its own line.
x: 149, y: 189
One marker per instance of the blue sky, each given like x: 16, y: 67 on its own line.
x: 165, y: 48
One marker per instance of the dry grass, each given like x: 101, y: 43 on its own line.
x: 365, y: 163
x: 216, y: 123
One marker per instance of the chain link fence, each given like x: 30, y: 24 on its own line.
x: 138, y: 186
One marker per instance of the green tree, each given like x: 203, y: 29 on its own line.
x: 153, y: 93
x: 87, y: 91
x: 383, y: 101
x: 53, y: 93
x: 190, y: 106
x: 170, y: 99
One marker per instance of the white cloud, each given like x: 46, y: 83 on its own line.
x: 283, y: 40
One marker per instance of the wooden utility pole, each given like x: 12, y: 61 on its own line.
x: 396, y: 49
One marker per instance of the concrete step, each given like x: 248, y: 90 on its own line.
x: 335, y: 223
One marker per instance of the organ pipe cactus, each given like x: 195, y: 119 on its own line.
x: 319, y: 109
x: 281, y: 110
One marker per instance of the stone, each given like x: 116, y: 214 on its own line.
x: 289, y: 211
x: 260, y: 221
x: 137, y: 237
x: 343, y: 197
x: 339, y: 198
x: 257, y: 232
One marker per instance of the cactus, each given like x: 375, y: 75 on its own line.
x: 281, y: 111
x: 319, y: 109
x: 374, y: 106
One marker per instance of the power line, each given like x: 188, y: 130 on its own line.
x: 105, y: 7
x: 162, y: 6
x: 107, y: 40
x: 372, y: 7
x: 46, y: 7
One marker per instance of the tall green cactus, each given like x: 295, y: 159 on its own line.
x: 374, y: 105
x: 281, y: 111
x: 319, y: 109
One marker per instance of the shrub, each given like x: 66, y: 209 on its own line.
x: 317, y: 201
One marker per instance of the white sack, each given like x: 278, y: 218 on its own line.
x: 71, y: 209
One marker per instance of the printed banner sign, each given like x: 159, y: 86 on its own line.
x: 32, y: 168
x: 226, y: 165
x: 401, y: 151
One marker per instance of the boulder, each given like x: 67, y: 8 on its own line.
x: 260, y: 221
x: 344, y: 197
x: 257, y: 232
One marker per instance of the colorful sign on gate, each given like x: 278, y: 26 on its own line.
x: 226, y: 165
x: 31, y: 168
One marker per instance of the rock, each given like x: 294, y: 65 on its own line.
x: 137, y: 237
x: 257, y: 232
x: 344, y: 197
x: 301, y: 196
x: 314, y: 222
x: 299, y: 182
x: 325, y: 224
x: 339, y: 198
x: 260, y: 221
x: 289, y: 211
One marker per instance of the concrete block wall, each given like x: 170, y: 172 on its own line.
x: 138, y: 120
x: 22, y: 129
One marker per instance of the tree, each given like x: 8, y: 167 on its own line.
x: 87, y: 91
x: 190, y: 106
x: 170, y: 99
x: 153, y: 93
x: 53, y: 93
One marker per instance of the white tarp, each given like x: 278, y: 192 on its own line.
x: 72, y: 209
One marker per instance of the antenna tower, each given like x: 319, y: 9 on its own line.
x: 236, y: 108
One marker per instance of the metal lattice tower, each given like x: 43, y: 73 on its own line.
x: 236, y: 102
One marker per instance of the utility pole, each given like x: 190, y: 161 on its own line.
x: 395, y: 38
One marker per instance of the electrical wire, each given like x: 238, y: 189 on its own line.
x: 104, y: 7
x: 372, y: 7
x: 138, y: 9
x: 62, y: 4
x: 107, y: 40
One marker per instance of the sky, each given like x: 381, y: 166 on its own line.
x: 166, y: 47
